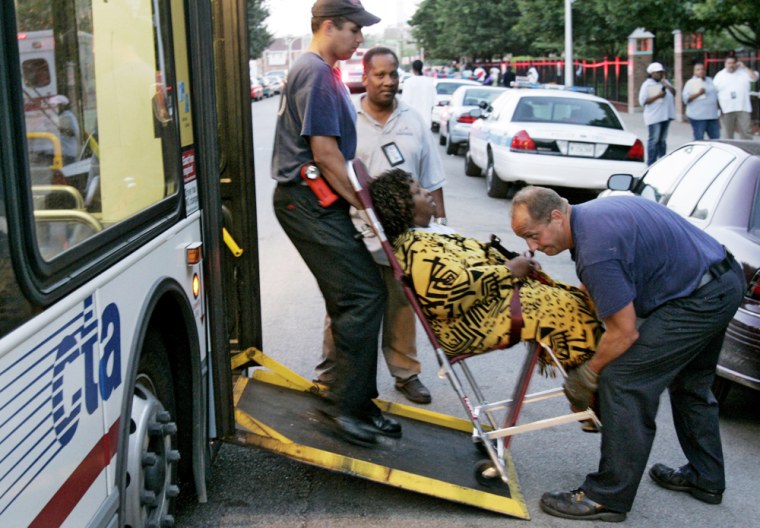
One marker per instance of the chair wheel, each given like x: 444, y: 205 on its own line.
x: 487, y: 475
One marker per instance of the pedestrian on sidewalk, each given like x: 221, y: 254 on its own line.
x: 657, y: 97
x: 733, y: 85
x: 701, y: 99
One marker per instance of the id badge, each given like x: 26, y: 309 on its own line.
x: 393, y: 154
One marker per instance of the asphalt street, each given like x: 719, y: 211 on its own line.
x: 253, y: 488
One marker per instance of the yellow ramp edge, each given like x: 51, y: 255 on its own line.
x: 253, y: 432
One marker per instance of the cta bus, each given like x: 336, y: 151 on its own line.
x: 116, y: 316
x: 130, y: 320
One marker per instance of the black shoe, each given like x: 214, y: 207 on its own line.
x: 575, y: 505
x: 414, y: 390
x: 381, y: 424
x: 351, y: 429
x: 677, y: 480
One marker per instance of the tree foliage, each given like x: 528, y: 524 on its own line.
x: 259, y: 37
x: 455, y: 29
x: 449, y: 29
x: 740, y: 18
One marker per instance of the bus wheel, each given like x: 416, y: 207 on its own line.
x: 152, y: 459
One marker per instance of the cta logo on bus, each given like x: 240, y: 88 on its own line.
x: 81, y: 378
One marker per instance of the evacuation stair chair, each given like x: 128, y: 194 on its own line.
x: 493, y: 437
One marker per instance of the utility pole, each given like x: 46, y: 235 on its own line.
x: 569, y: 70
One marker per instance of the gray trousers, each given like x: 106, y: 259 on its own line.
x: 350, y: 283
x: 736, y: 120
x: 678, y: 349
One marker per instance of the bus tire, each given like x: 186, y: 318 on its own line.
x: 151, y: 484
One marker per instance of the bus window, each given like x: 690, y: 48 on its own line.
x: 101, y: 133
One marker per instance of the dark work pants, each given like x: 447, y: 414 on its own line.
x: 350, y: 283
x: 677, y: 349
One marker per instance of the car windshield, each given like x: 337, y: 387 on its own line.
x: 447, y: 88
x: 475, y: 96
x: 566, y: 110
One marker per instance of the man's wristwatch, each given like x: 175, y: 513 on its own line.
x: 441, y: 220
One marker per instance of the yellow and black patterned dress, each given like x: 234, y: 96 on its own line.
x: 466, y: 290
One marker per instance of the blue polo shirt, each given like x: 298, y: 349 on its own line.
x: 314, y: 102
x: 630, y: 249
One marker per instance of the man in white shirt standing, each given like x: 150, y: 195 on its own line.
x: 733, y: 85
x: 392, y: 135
x: 419, y: 93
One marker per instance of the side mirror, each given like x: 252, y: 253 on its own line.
x: 620, y: 182
x: 483, y: 105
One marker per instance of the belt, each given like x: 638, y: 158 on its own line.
x: 292, y: 183
x: 716, y: 270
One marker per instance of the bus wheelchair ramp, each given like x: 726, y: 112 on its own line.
x: 279, y: 411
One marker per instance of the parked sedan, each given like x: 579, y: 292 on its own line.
x: 716, y: 185
x: 257, y: 89
x: 444, y: 88
x: 550, y: 137
x: 457, y: 117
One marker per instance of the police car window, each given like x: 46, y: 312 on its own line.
x: 101, y: 137
x: 661, y: 178
x: 697, y: 179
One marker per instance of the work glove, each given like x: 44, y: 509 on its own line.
x: 580, y: 386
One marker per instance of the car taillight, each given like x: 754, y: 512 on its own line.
x: 466, y: 118
x: 636, y: 152
x: 522, y: 141
x: 753, y: 290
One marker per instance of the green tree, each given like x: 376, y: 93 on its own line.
x: 740, y: 18
x: 455, y: 29
x: 601, y: 27
x: 259, y: 37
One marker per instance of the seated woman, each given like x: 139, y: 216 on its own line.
x: 466, y: 288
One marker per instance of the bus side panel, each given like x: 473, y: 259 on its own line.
x: 63, y: 388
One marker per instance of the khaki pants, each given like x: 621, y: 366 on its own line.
x: 736, y: 120
x: 399, y: 343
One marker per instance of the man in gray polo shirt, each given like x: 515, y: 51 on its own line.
x: 391, y: 134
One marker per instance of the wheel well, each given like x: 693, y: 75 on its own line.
x: 170, y: 319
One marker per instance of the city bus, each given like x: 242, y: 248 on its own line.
x: 130, y: 310
x: 114, y: 328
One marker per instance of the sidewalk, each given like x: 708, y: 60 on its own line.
x: 678, y: 132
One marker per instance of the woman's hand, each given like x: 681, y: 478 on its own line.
x: 522, y: 266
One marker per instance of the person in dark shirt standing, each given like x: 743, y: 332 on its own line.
x: 316, y: 133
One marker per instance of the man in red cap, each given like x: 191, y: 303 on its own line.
x: 316, y: 128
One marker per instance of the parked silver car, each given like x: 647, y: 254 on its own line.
x: 457, y: 117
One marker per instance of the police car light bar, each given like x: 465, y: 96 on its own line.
x: 545, y: 86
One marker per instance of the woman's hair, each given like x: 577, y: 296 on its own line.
x: 393, y: 202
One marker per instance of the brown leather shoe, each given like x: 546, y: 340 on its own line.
x: 414, y: 390
x: 677, y: 480
x: 575, y: 505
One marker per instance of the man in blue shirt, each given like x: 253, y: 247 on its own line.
x: 316, y: 126
x: 666, y: 292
